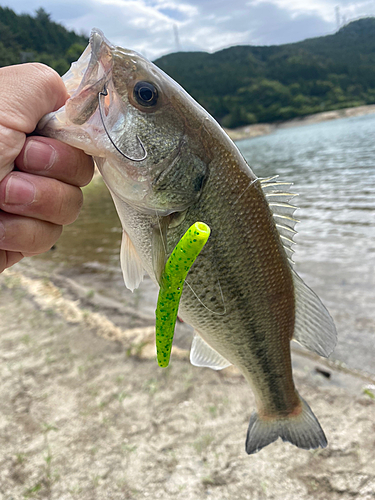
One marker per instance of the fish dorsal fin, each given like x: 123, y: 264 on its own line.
x: 203, y: 355
x: 278, y: 197
x: 131, y: 265
x: 314, y: 328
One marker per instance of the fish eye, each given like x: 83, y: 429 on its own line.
x: 146, y: 94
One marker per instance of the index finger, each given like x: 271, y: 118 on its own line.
x: 30, y: 91
x: 27, y: 92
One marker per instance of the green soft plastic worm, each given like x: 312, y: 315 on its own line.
x: 171, y: 285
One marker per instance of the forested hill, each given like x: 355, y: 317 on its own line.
x: 36, y: 38
x: 249, y: 84
x: 239, y: 85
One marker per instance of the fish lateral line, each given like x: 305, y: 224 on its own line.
x: 172, y: 282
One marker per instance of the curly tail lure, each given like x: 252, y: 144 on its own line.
x: 171, y: 285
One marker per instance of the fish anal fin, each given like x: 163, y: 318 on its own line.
x: 314, y: 328
x: 203, y: 355
x: 302, y: 430
x: 131, y: 265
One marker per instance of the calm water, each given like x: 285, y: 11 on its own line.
x: 332, y: 166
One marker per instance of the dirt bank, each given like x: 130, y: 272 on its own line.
x: 87, y: 414
x: 266, y: 128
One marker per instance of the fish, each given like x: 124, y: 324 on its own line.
x: 167, y: 164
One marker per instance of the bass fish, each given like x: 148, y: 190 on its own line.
x: 167, y: 164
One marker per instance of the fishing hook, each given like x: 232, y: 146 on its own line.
x: 104, y: 93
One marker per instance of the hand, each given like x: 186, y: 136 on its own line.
x: 39, y: 177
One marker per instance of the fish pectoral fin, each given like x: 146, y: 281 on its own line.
x: 131, y: 264
x: 302, y: 430
x: 314, y: 328
x: 203, y: 355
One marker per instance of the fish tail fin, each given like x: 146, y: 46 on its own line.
x: 302, y: 430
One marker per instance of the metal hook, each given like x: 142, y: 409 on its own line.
x: 104, y: 93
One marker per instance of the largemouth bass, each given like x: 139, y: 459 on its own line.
x: 168, y: 164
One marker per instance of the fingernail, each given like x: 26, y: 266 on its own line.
x: 39, y: 156
x: 19, y: 191
x: 2, y: 231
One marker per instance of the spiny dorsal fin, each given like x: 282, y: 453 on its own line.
x: 278, y: 197
x: 314, y: 327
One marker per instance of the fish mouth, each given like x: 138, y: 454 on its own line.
x: 88, y: 77
x: 94, y: 115
x: 84, y: 81
x: 88, y: 68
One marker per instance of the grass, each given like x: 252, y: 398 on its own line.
x: 26, y: 339
x: 151, y: 385
x: 369, y: 393
x: 213, y: 411
x: 201, y: 444
x: 121, y: 396
x: 30, y: 492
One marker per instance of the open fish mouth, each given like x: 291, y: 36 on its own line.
x: 94, y: 116
x: 87, y: 79
x: 94, y: 63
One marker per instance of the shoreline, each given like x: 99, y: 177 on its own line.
x: 77, y: 303
x: 259, y: 129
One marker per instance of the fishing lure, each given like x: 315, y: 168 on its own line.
x: 171, y: 285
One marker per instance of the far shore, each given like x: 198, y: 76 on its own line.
x: 258, y: 129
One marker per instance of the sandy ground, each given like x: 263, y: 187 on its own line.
x: 87, y: 414
x: 266, y: 128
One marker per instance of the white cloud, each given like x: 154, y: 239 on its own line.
x: 148, y: 26
x: 321, y: 8
x: 325, y: 9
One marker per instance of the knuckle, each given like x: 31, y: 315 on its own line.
x: 87, y: 169
x: 3, y: 260
x: 82, y: 168
x: 44, y: 237
x: 71, y: 205
x: 50, y: 76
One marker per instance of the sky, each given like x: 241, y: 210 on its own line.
x: 158, y: 27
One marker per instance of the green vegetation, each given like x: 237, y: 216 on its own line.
x: 238, y: 86
x: 244, y: 84
x: 24, y: 38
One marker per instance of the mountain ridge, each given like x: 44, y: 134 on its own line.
x: 247, y: 84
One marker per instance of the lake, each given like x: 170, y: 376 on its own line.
x: 332, y: 167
